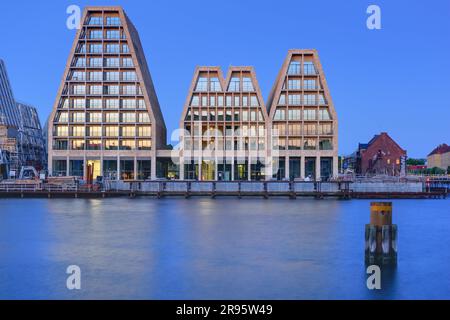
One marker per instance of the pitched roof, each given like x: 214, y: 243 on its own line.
x: 440, y: 149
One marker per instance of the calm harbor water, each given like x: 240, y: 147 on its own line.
x: 201, y: 248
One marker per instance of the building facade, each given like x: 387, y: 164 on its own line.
x: 381, y: 156
x: 224, y: 125
x: 9, y: 117
x: 31, y: 139
x: 304, y: 124
x: 439, y: 157
x: 106, y: 120
x: 21, y: 137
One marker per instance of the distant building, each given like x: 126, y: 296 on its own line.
x: 30, y: 137
x: 380, y: 156
x: 21, y: 139
x: 439, y: 157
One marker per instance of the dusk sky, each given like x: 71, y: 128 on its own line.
x: 395, y: 79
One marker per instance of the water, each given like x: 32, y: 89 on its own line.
x: 216, y: 249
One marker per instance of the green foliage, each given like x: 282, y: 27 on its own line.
x: 415, y: 162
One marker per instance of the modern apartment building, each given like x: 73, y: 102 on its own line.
x: 106, y: 120
x: 304, y: 125
x: 224, y: 122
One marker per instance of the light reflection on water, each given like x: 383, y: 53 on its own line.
x: 216, y: 249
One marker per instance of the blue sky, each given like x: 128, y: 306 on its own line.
x: 394, y: 80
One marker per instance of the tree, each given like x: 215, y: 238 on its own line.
x: 415, y: 162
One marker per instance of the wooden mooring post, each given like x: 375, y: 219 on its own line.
x: 381, y: 235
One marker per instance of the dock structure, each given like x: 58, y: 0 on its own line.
x: 213, y: 189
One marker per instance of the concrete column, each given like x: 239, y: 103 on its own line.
x: 302, y: 167
x: 335, y: 166
x: 135, y: 168
x: 153, y: 167
x: 249, y: 169
x: 200, y: 161
x: 101, y: 165
x: 232, y: 168
x: 67, y: 167
x: 118, y: 168
x: 181, y: 159
x: 286, y: 168
x: 317, y: 168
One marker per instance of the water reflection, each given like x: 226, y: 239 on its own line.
x: 201, y: 248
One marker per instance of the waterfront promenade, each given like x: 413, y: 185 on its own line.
x: 239, y: 189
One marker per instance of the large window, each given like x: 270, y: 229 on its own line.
x: 112, y: 62
x: 95, y: 34
x: 294, y: 99
x: 247, y: 84
x: 215, y: 85
x: 95, y: 48
x: 96, y: 62
x: 293, y: 84
x: 294, y: 68
x: 308, y: 68
x: 113, y: 34
x: 280, y: 114
x: 202, y: 84
x: 112, y: 48
x: 234, y: 85
x: 112, y: 21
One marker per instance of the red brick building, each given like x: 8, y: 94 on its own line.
x: 381, y: 156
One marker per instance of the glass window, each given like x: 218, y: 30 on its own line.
x: 280, y: 114
x: 95, y: 76
x: 112, y: 103
x: 293, y: 84
x: 195, y: 101
x: 294, y: 68
x: 129, y: 76
x: 112, y: 76
x: 127, y: 62
x: 309, y: 114
x: 294, y: 99
x: 128, y: 131
x: 112, y: 117
x: 308, y: 68
x: 96, y: 62
x: 282, y: 99
x: 254, y: 101
x: 324, y: 114
x: 79, y: 89
x: 96, y: 90
x: 95, y: 131
x: 112, y: 21
x: 215, y: 85
x: 95, y: 117
x: 112, y: 48
x: 309, y: 84
x: 113, y: 34
x: 294, y: 114
x: 95, y: 21
x: 143, y: 117
x: 112, y: 62
x: 78, y: 117
x: 95, y: 34
x: 247, y: 84
x: 202, y: 84
x: 111, y: 131
x: 129, y: 103
x: 128, y: 117
x: 309, y: 99
x: 95, y: 103
x: 234, y: 85
x: 95, y: 48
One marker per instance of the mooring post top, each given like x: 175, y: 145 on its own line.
x: 381, y: 213
x: 381, y: 204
